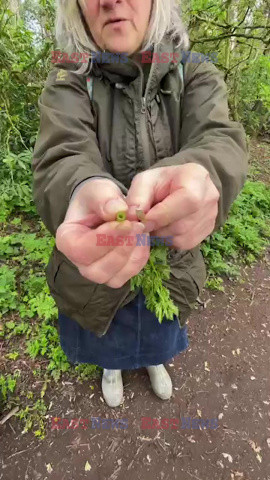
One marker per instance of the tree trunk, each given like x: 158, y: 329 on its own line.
x: 14, y: 6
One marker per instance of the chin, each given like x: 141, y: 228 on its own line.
x: 121, y: 46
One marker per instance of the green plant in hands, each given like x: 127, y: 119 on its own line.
x: 150, y: 280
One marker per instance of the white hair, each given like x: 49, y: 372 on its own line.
x: 72, y: 33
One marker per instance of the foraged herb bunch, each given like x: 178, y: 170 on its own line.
x: 151, y: 277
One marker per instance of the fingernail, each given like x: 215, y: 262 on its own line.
x: 140, y: 227
x: 125, y: 226
x: 136, y: 207
x: 114, y: 206
x: 149, y: 227
x: 132, y: 209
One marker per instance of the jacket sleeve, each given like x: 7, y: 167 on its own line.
x: 76, y: 190
x: 208, y: 137
x: 66, y: 151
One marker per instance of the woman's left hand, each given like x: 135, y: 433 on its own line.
x: 179, y: 201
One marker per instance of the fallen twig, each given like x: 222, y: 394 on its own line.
x: 201, y: 302
x: 18, y: 453
x: 79, y: 445
x: 252, y: 298
x: 10, y: 414
x: 194, y: 476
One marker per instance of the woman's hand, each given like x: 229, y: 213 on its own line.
x: 179, y: 201
x: 96, y: 243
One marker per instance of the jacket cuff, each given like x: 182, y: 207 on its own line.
x: 80, y: 185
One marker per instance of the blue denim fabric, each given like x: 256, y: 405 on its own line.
x: 134, y: 339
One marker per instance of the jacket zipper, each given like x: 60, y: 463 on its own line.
x: 145, y: 135
x: 143, y: 119
x: 143, y: 110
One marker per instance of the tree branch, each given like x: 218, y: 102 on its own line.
x: 244, y: 18
x: 212, y: 22
x: 241, y: 61
x: 237, y: 35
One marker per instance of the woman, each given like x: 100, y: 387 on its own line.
x: 121, y: 136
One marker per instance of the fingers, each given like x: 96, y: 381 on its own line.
x: 176, y: 206
x: 142, y: 192
x: 117, y: 266
x: 107, y: 200
x: 189, y: 233
x: 83, y: 245
x: 137, y: 260
x: 100, y: 197
x: 167, y: 194
x: 190, y: 190
x: 195, y: 237
x: 182, y: 197
x: 182, y: 226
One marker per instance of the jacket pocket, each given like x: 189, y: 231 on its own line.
x: 197, y: 271
x: 189, y: 274
x: 52, y: 268
x: 68, y: 287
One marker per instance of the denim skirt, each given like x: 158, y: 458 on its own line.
x: 134, y: 339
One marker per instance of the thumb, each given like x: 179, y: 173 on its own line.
x: 100, y: 198
x: 144, y: 191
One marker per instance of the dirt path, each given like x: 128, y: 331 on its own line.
x: 233, y: 336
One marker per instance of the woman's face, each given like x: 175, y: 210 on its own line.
x: 117, y: 25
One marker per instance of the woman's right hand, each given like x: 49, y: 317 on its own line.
x: 92, y: 212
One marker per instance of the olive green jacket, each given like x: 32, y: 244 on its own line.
x: 124, y: 130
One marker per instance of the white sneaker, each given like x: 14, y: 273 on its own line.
x: 160, y: 381
x: 112, y: 387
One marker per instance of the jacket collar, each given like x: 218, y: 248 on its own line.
x: 131, y: 72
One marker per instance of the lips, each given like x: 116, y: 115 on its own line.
x: 115, y: 20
